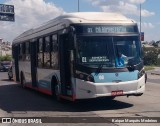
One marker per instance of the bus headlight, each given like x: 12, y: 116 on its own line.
x: 85, y: 77
x: 90, y: 78
x: 141, y: 73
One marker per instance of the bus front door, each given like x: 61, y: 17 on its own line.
x: 65, y: 65
x: 33, y: 63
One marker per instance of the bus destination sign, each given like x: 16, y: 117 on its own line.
x: 7, y: 12
x: 107, y: 29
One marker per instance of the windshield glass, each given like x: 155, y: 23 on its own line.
x: 116, y: 51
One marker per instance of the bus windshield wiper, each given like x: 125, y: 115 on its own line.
x: 99, y: 69
x: 132, y: 67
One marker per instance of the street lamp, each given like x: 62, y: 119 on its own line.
x: 140, y: 18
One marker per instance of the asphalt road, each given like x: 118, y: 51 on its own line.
x: 18, y: 102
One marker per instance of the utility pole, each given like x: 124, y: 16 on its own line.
x: 140, y: 19
x: 78, y: 5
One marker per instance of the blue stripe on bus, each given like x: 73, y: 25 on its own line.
x: 113, y: 77
x: 44, y: 83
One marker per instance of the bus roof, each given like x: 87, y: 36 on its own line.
x: 73, y: 18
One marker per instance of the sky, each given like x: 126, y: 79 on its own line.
x: 30, y: 13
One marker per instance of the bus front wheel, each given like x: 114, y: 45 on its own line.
x: 110, y: 98
x: 55, y: 91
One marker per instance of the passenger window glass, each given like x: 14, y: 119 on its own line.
x: 40, y: 45
x: 54, y: 52
x: 20, y: 48
x: 27, y: 47
x: 47, y: 60
x: 54, y: 43
x: 40, y: 54
x: 47, y: 44
x: 40, y: 59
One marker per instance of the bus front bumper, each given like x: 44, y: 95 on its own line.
x: 87, y: 90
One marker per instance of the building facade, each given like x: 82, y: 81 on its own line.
x: 5, y: 48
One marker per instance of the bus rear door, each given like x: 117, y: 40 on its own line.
x: 15, y: 53
x: 33, y: 50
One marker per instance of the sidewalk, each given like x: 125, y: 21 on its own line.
x: 156, y: 71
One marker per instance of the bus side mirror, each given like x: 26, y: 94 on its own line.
x: 72, y: 38
x: 72, y: 42
x: 69, y: 37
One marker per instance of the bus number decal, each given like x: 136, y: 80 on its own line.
x: 84, y: 59
x: 90, y: 30
x: 101, y: 77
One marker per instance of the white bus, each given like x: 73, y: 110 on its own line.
x: 81, y: 56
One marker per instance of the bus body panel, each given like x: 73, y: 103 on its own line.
x: 44, y: 77
x: 115, y: 77
x: 25, y: 69
x: 65, y: 20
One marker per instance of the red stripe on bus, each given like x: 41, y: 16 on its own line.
x: 17, y: 82
x: 45, y: 91
x: 74, y: 97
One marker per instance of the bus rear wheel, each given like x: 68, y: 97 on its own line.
x: 22, y: 81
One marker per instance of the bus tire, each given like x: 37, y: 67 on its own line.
x: 54, y: 88
x: 22, y: 80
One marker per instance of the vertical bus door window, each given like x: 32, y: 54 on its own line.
x: 47, y: 61
x: 20, y: 51
x: 40, y: 52
x: 54, y: 52
x: 27, y: 51
x: 23, y: 51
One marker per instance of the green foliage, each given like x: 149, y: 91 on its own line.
x: 5, y: 58
x: 155, y: 44
x: 151, y: 56
x: 149, y: 68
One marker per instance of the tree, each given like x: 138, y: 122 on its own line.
x: 151, y: 56
x: 155, y: 44
x: 5, y: 58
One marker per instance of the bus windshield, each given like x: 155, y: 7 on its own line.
x: 93, y: 51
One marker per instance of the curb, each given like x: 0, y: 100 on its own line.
x: 155, y: 73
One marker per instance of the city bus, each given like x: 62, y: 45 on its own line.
x: 82, y: 55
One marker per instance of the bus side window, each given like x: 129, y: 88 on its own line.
x: 40, y: 52
x: 54, y: 51
x: 47, y: 61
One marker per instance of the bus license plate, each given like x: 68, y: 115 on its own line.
x: 115, y: 93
